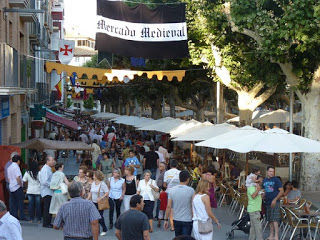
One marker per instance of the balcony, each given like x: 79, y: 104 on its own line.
x: 19, y: 3
x: 28, y: 17
x: 35, y: 33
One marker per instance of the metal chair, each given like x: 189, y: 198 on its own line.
x: 294, y: 222
x: 315, y: 225
x: 301, y: 204
x: 224, y: 191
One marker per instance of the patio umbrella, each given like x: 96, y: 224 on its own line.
x: 42, y: 144
x: 182, y: 130
x: 105, y: 115
x: 278, y: 116
x: 206, y: 132
x: 255, y: 115
x: 224, y: 141
x: 275, y: 140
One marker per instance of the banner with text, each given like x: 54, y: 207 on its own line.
x: 141, y: 32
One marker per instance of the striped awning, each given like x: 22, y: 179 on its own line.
x: 105, y: 75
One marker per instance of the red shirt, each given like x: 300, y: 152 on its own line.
x: 163, y: 200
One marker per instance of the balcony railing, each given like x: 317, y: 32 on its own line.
x: 35, y: 33
x: 19, y: 3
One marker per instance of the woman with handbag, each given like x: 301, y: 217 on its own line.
x: 149, y: 190
x: 99, y: 195
x: 202, y: 214
x: 59, y: 185
x: 117, y: 188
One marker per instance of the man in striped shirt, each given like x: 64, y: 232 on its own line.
x: 78, y: 217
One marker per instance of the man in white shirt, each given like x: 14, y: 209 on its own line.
x: 84, y: 138
x: 16, y: 188
x: 170, y: 180
x: 45, y: 176
x: 164, y: 152
x: 10, y: 228
x: 161, y: 158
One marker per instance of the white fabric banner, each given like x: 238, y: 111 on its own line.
x: 66, y: 51
x: 143, y: 32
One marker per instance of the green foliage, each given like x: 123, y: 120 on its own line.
x: 208, y: 26
x: 89, y: 103
x: 289, y: 32
x: 69, y: 102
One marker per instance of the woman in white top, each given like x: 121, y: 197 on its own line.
x: 145, y: 188
x: 117, y: 186
x: 33, y: 191
x: 95, y: 196
x: 202, y: 210
x: 57, y: 180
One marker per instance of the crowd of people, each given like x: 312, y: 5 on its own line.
x: 138, y: 176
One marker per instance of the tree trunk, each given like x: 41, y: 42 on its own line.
x: 245, y: 110
x: 310, y: 167
x: 172, y: 105
x: 156, y: 109
x: 200, y: 115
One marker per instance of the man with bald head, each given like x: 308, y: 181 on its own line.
x: 45, y: 176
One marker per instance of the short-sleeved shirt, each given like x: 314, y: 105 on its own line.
x: 271, y: 186
x: 181, y: 197
x: 13, y: 173
x: 33, y: 184
x: 116, y: 188
x: 133, y: 161
x: 95, y: 190
x: 171, y: 177
x: 76, y: 224
x: 151, y: 160
x: 132, y: 223
x: 254, y: 204
x: 294, y: 194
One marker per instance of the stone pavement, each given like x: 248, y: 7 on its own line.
x: 32, y: 231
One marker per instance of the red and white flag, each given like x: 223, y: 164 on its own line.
x: 66, y: 51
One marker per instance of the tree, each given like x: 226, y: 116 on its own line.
x: 232, y: 57
x: 89, y: 103
x: 287, y: 33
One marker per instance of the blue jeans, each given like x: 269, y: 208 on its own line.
x: 34, y: 204
x: 17, y: 204
x: 153, y: 173
x: 182, y: 228
x: 158, y: 208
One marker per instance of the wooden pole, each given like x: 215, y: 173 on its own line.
x: 206, y: 159
x: 247, y: 163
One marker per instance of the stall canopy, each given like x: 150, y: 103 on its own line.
x: 103, y: 75
x: 206, y: 132
x: 164, y: 125
x: 41, y: 144
x: 105, y: 115
x: 183, y: 130
x: 61, y: 120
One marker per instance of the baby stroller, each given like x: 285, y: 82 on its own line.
x: 243, y: 224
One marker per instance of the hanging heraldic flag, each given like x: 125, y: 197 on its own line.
x: 66, y: 51
x: 142, y: 32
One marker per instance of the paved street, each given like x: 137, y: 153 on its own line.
x: 35, y: 231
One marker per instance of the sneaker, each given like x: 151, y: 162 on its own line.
x: 103, y: 233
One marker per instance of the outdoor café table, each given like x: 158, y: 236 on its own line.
x: 308, y: 215
x: 289, y: 205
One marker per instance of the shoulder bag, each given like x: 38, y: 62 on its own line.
x: 205, y: 227
x: 155, y: 194
x: 104, y: 202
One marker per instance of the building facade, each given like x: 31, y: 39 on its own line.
x: 25, y: 33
